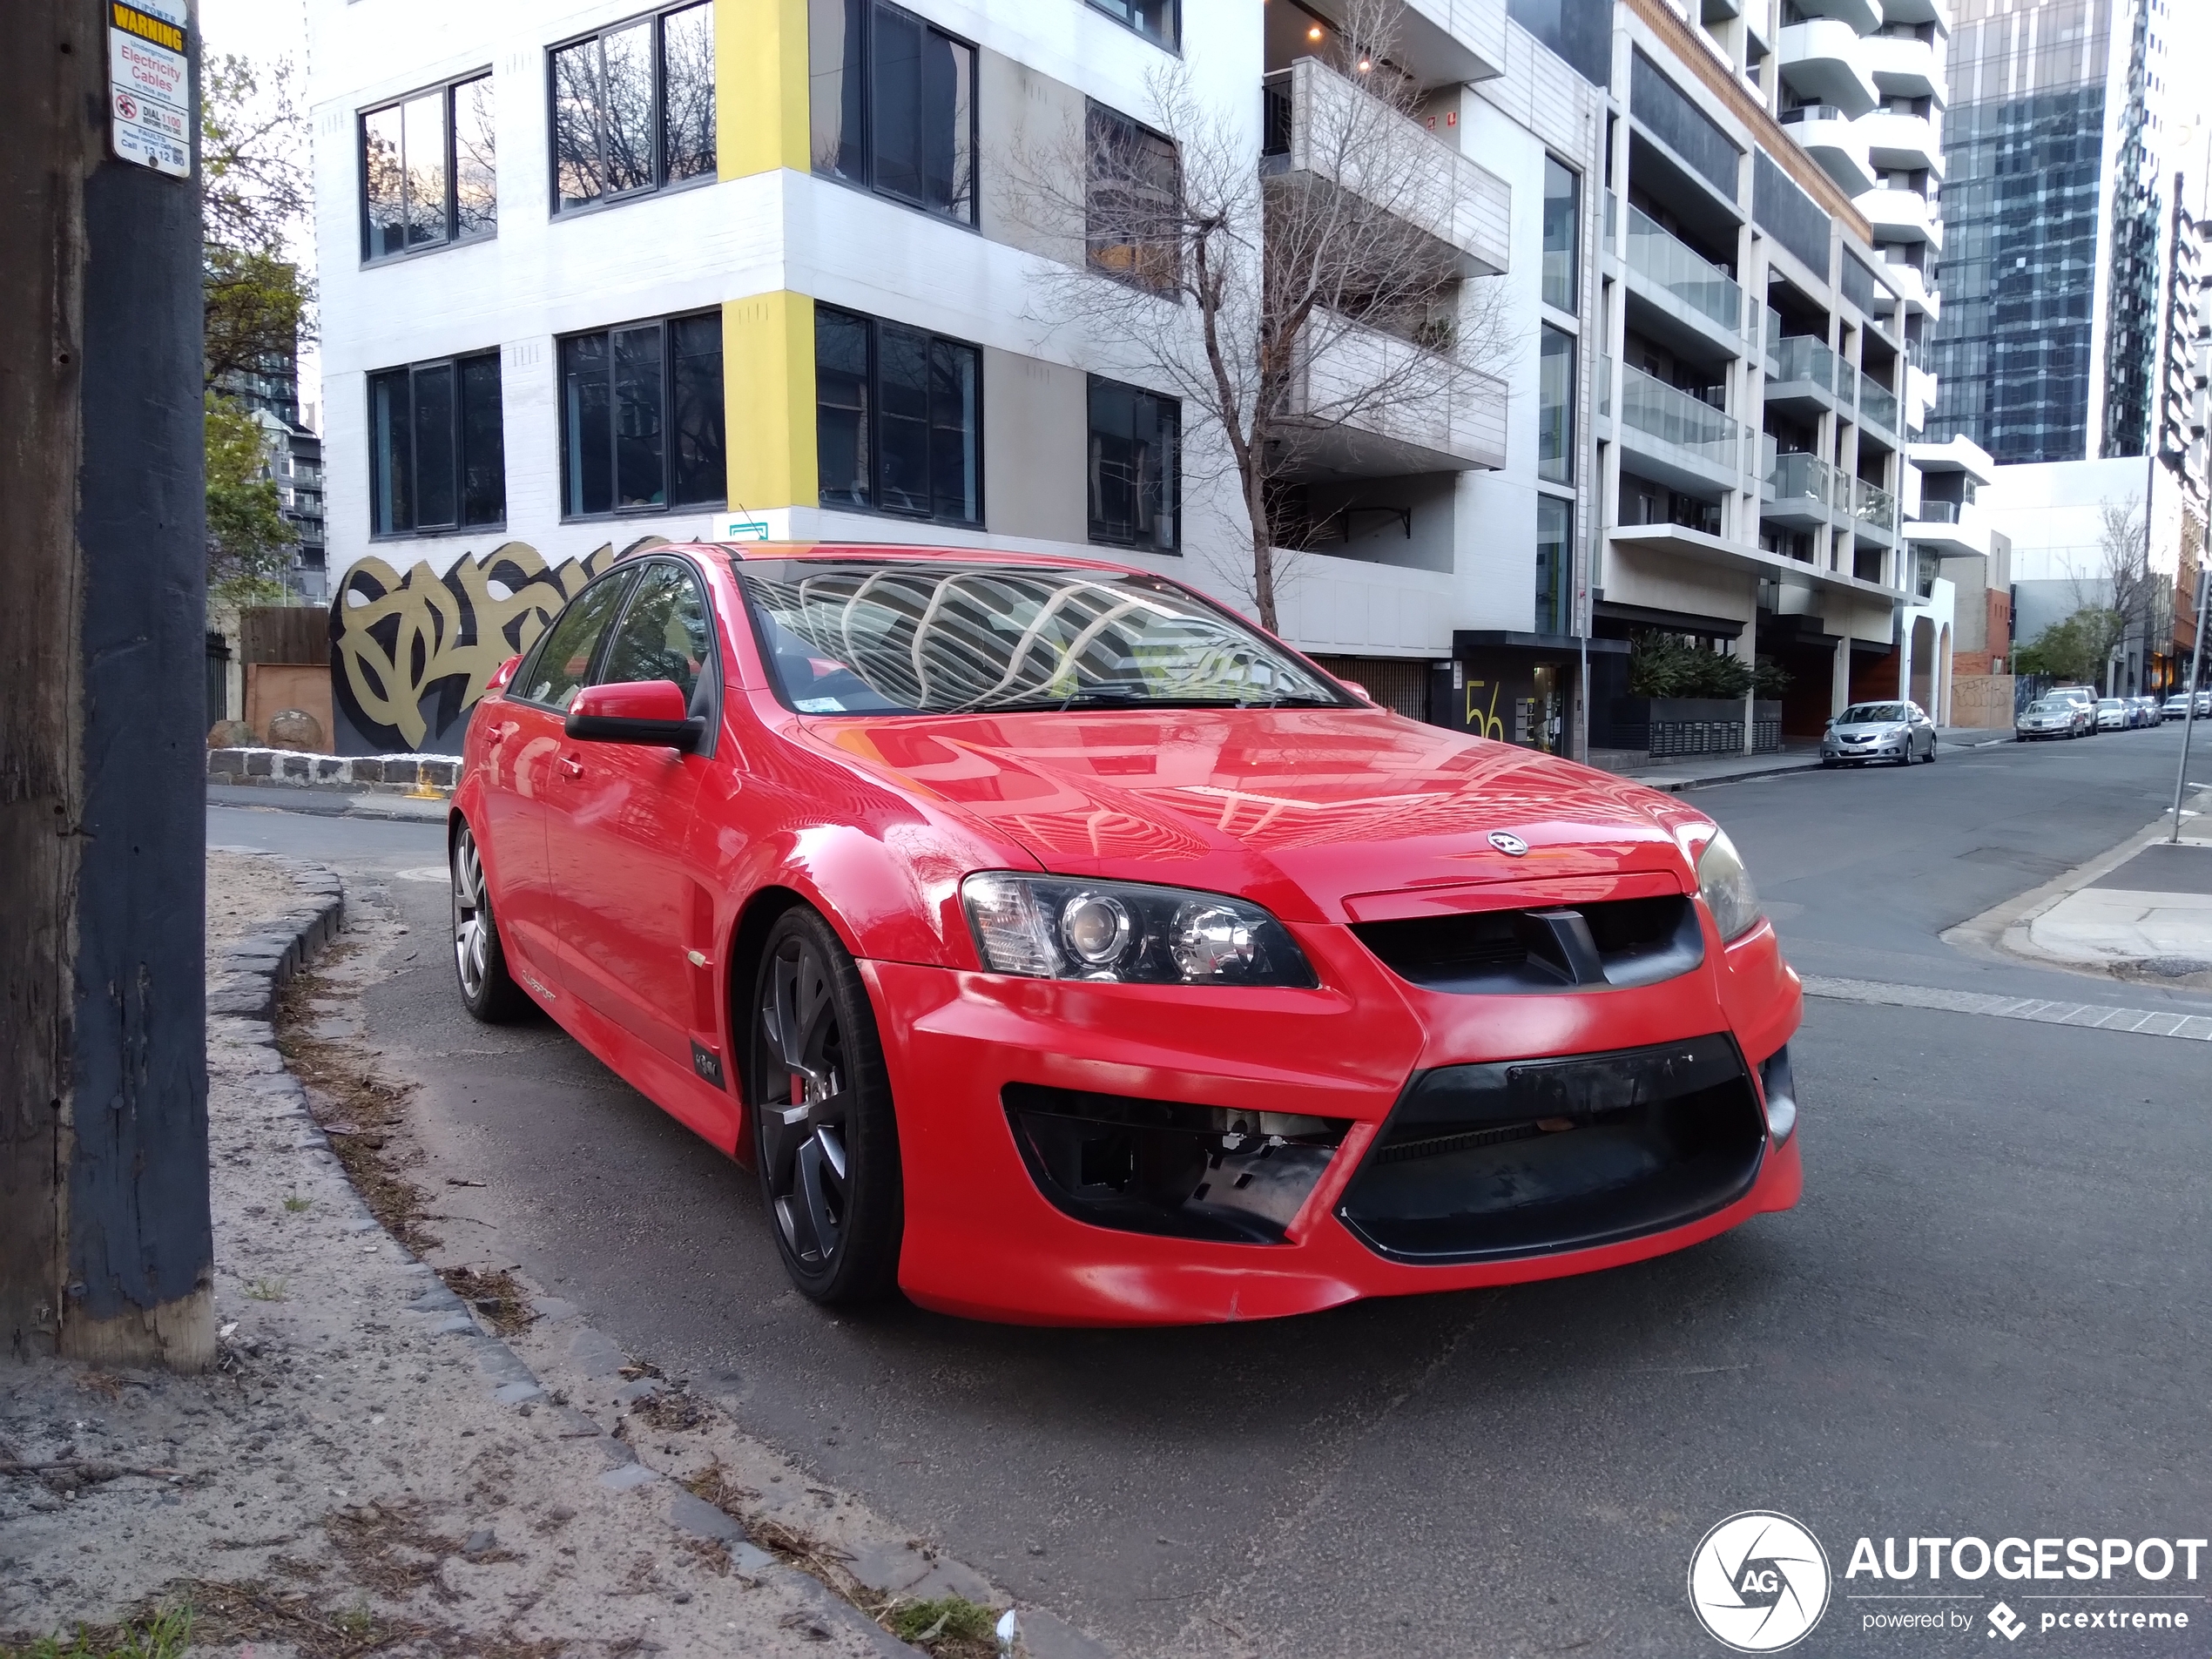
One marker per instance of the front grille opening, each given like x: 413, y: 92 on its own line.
x: 1169, y: 1167
x: 1617, y: 944
x: 1530, y: 1157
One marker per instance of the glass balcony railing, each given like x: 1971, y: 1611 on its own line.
x: 1698, y: 283
x: 1801, y: 357
x: 1773, y: 337
x: 1661, y: 411
x: 1812, y: 112
x: 1937, y: 512
x: 1877, y: 406
x: 1804, y: 478
x: 1871, y: 504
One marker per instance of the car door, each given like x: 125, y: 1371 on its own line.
x: 618, y: 826
x: 526, y: 734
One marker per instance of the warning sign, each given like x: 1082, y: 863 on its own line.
x: 149, y: 85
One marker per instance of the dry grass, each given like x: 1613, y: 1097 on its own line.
x: 949, y: 1627
x: 358, y: 1111
x: 495, y: 1294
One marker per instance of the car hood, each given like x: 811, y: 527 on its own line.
x: 1300, y: 810
x: 1869, y: 728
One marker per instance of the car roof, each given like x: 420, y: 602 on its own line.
x: 904, y: 552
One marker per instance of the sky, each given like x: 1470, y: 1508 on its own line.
x: 266, y: 30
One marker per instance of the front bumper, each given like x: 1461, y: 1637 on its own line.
x: 1893, y: 750
x: 984, y: 1240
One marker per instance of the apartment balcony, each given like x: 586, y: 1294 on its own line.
x: 1877, y: 408
x: 1951, y: 528
x: 1918, y: 11
x: 1894, y: 140
x: 1905, y: 67
x: 1900, y: 216
x: 1370, y: 405
x: 1912, y: 285
x: 1802, y: 375
x: 1919, y: 395
x: 1668, y: 273
x: 1675, y: 439
x: 1820, y: 60
x: 1873, y: 512
x: 1442, y: 42
x: 1833, y: 139
x: 1863, y: 16
x: 1800, y: 490
x: 1322, y: 131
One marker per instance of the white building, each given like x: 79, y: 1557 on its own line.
x: 592, y: 273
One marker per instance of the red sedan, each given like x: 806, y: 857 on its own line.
x: 1060, y: 949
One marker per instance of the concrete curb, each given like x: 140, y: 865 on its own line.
x: 414, y: 774
x: 251, y: 972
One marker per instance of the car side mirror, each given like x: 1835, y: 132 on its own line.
x: 649, y: 711
x: 504, y: 676
x: 1359, y: 691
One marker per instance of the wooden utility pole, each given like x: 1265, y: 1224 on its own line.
x: 105, y: 1247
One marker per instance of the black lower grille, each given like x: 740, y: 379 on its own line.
x: 1618, y: 943
x: 1165, y: 1166
x: 1530, y: 1157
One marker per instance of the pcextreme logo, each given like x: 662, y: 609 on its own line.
x: 1759, y: 1581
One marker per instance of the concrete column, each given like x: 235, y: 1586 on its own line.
x: 1839, y: 677
x: 1748, y: 649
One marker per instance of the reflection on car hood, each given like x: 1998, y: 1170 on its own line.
x: 1869, y: 728
x: 1271, y: 803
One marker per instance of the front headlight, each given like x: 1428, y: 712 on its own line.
x: 1725, y: 886
x: 1049, y: 926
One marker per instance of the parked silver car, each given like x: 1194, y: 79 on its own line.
x: 1898, y: 733
x: 2047, y: 717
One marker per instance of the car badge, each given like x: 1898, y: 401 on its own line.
x: 1509, y: 844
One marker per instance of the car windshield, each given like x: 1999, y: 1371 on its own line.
x: 1867, y: 713
x: 2049, y: 705
x: 2108, y: 703
x: 849, y: 635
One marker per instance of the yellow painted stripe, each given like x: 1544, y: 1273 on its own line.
x: 768, y: 390
x: 760, y: 86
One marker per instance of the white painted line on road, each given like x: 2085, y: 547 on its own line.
x: 2147, y: 1022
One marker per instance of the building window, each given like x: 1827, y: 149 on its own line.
x: 1556, y: 407
x: 429, y: 170
x: 1563, y: 235
x: 892, y: 105
x: 633, y: 108
x: 1134, y: 467
x: 436, y: 457
x: 641, y: 418
x: 1158, y: 21
x: 1131, y: 185
x: 898, y: 419
x: 1554, y: 565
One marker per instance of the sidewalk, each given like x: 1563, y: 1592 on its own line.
x: 2150, y: 916
x: 369, y: 1467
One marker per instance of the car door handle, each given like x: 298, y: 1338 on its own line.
x: 569, y: 767
x: 496, y: 735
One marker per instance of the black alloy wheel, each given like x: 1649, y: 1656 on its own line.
x: 825, y: 1135
x: 488, y: 990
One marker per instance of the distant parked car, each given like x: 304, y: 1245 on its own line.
x: 2083, y: 700
x: 2047, y: 717
x: 2177, y: 706
x: 1898, y: 733
x: 2147, y: 712
x: 2112, y: 714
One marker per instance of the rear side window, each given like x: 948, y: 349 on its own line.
x: 665, y: 634
x: 563, y: 664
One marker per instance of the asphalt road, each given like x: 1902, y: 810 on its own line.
x: 1985, y: 1318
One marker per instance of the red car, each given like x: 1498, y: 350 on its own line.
x: 1060, y: 949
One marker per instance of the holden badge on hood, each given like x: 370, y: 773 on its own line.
x: 1507, y: 843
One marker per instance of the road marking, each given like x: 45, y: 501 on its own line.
x: 2149, y: 1022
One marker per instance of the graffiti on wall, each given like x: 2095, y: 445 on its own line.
x: 411, y: 654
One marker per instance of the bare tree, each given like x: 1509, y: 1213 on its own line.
x: 1301, y: 300
x: 2125, y: 597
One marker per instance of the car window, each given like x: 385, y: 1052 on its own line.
x: 556, y: 674
x: 665, y: 634
x: 1864, y: 713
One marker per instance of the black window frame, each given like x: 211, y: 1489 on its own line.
x: 462, y: 524
x: 1574, y: 250
x: 874, y: 507
x: 1154, y: 265
x: 1092, y: 524
x: 870, y: 185
x: 454, y: 236
x: 622, y: 575
x: 705, y: 700
x: 1112, y: 10
x: 658, y: 17
x: 668, y: 503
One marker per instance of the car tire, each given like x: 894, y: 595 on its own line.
x: 825, y: 1137
x: 1931, y: 749
x: 488, y: 990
